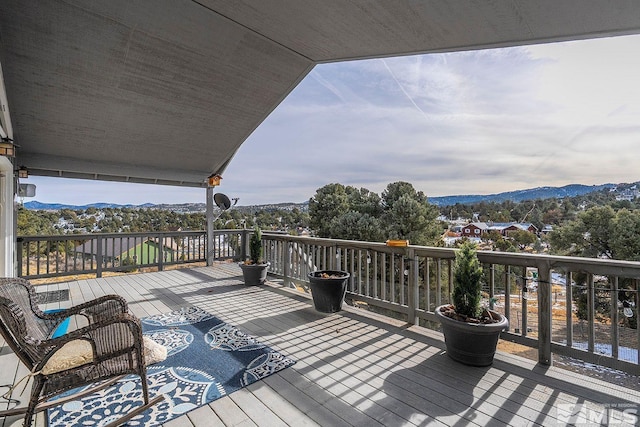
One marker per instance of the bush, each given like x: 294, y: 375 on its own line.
x: 467, y: 281
x: 255, y: 246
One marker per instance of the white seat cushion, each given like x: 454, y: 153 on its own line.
x: 78, y: 352
x: 72, y: 354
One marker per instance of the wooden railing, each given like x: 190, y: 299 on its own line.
x: 578, y: 307
x: 593, y: 318
x: 64, y: 255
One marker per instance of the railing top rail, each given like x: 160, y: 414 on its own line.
x: 435, y: 252
x: 87, y: 236
x: 592, y: 265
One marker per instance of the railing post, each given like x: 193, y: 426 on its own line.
x: 439, y: 282
x: 492, y: 285
x: 210, y: 221
x: 507, y: 294
x: 160, y: 252
x: 568, y: 304
x: 413, y: 286
x: 19, y: 248
x: 331, y: 265
x: 544, y: 313
x: 245, y: 242
x: 99, y: 257
x: 286, y: 260
x: 636, y: 283
x: 615, y: 339
x: 591, y: 317
x: 524, y: 306
x: 427, y: 284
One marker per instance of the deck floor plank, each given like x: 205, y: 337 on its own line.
x: 290, y: 414
x: 230, y: 413
x: 353, y: 367
x: 201, y: 417
x: 255, y: 409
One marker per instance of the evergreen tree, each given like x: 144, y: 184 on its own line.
x: 408, y: 215
x: 329, y: 203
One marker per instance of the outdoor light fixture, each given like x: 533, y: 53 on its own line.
x: 23, y: 172
x: 7, y: 148
x: 214, y: 180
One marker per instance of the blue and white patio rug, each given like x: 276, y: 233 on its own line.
x: 207, y: 359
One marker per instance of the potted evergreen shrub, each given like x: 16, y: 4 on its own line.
x: 254, y: 269
x: 328, y: 288
x: 470, y: 331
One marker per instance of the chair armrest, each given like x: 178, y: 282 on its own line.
x: 101, y: 308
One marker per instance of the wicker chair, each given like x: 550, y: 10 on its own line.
x: 111, y: 341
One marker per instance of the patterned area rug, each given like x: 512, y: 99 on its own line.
x: 207, y: 359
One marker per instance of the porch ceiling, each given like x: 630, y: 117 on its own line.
x: 166, y: 91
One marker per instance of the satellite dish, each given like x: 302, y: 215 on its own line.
x: 222, y: 201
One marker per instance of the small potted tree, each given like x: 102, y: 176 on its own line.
x: 470, y: 331
x: 254, y: 269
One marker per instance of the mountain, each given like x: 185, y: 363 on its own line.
x: 515, y: 196
x: 35, y: 205
x: 177, y: 207
x: 571, y: 190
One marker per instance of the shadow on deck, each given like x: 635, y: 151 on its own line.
x: 358, y: 368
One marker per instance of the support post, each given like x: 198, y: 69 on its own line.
x: 209, y: 214
x: 7, y: 223
x: 8, y: 210
x: 544, y: 314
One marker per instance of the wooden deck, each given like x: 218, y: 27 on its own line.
x: 353, y: 368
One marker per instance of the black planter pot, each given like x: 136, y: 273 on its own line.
x: 254, y: 274
x: 470, y: 343
x: 328, y: 293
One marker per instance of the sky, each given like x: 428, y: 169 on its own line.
x: 476, y: 122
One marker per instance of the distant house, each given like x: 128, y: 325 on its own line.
x: 510, y: 228
x: 479, y: 229
x: 129, y: 250
x: 629, y: 195
x: 474, y: 229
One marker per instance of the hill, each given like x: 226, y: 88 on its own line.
x: 35, y: 205
x: 571, y: 190
x: 177, y: 207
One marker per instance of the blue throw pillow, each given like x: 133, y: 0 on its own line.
x: 62, y: 327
